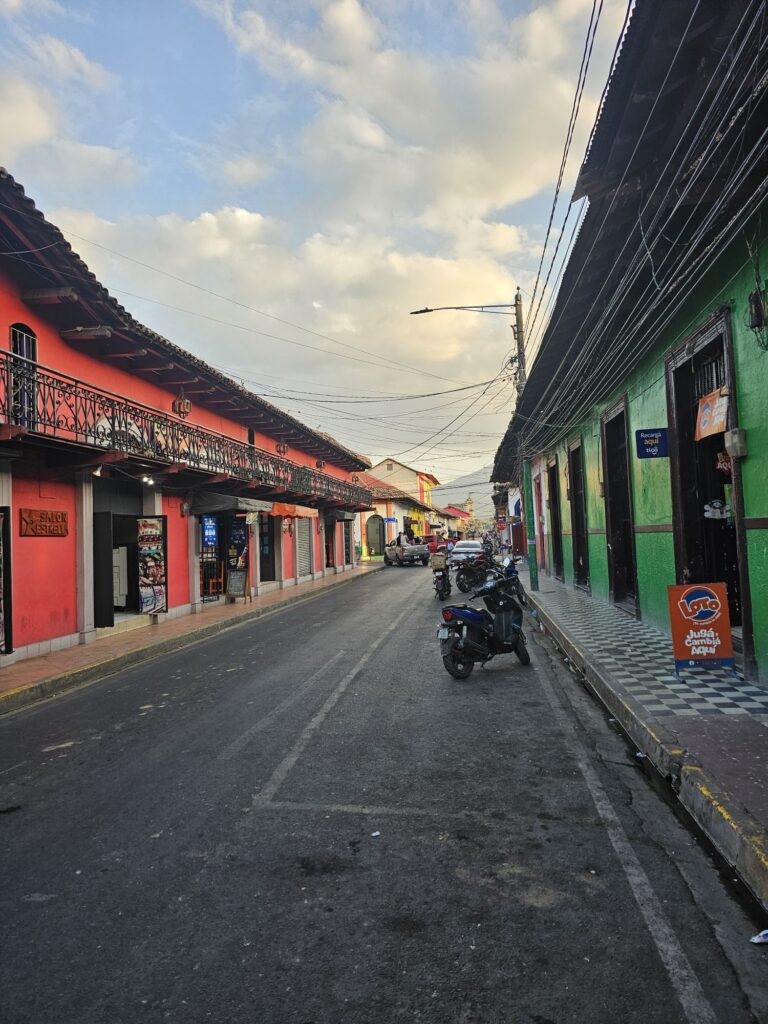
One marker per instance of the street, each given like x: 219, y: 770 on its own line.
x: 306, y: 820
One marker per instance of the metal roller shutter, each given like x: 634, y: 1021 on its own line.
x: 305, y: 546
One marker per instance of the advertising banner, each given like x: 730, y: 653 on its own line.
x: 153, y: 596
x: 701, y: 626
x: 652, y: 444
x: 712, y: 416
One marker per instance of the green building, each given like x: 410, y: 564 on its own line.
x: 644, y: 418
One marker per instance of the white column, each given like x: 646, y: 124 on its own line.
x: 152, y: 501
x: 254, y: 551
x: 296, y: 550
x: 86, y: 627
x: 279, y: 567
x: 193, y: 555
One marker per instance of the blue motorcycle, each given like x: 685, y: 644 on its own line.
x: 471, y: 634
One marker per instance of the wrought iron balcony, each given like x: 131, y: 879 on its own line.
x: 50, y: 404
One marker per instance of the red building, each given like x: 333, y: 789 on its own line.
x: 136, y: 480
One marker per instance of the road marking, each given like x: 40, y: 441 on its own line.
x: 280, y: 773
x: 371, y: 811
x: 695, y: 1004
x: 237, y: 745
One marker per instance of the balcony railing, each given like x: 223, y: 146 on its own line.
x: 53, y: 405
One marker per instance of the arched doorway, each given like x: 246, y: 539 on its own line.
x: 374, y: 536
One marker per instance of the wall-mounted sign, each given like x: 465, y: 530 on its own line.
x: 40, y: 522
x: 701, y: 626
x: 712, y: 417
x: 652, y: 444
x: 390, y: 519
x: 153, y: 595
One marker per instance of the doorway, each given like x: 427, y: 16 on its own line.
x: 619, y: 521
x: 578, y: 514
x: 374, y: 536
x: 555, y: 519
x: 24, y: 386
x: 538, y: 506
x: 706, y: 543
x: 330, y: 542
x: 267, y: 545
x: 211, y: 563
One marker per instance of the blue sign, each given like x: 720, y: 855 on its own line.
x: 388, y: 520
x: 652, y: 444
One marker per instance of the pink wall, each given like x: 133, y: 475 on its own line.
x: 44, y: 568
x: 111, y: 375
x: 178, y: 551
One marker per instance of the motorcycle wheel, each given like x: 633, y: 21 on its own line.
x: 444, y: 593
x: 457, y: 666
x: 462, y: 582
x: 521, y: 596
x: 522, y: 652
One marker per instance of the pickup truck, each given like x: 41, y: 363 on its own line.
x: 397, y: 554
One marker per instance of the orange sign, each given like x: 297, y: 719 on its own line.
x: 712, y: 417
x: 701, y: 625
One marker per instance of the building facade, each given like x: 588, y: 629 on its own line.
x: 644, y: 423
x: 418, y: 484
x: 136, y: 481
x: 393, y: 512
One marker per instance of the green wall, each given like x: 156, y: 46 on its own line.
x: 727, y: 283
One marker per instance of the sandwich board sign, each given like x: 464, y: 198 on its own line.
x: 701, y: 626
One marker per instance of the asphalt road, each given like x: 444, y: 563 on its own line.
x: 305, y: 820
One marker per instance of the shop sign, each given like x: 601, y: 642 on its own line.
x: 152, y: 575
x: 652, y: 444
x: 40, y: 522
x: 390, y: 519
x: 701, y: 626
x: 712, y: 416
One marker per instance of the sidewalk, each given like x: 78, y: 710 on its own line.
x: 706, y: 732
x: 36, y: 678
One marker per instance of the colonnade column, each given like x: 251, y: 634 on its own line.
x: 86, y: 626
x: 193, y: 560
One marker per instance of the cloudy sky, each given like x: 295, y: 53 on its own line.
x: 275, y: 184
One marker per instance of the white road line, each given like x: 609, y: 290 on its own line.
x: 280, y: 773
x: 237, y: 745
x: 379, y: 812
x: 695, y: 1004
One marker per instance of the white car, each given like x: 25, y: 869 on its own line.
x: 466, y: 549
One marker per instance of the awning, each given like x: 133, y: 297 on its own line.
x: 210, y: 501
x: 281, y: 508
x: 340, y: 517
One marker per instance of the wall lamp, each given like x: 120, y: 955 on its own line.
x: 148, y: 481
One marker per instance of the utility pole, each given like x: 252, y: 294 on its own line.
x: 530, y: 523
x: 520, y: 337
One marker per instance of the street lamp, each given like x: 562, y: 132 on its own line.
x: 517, y: 327
x: 497, y: 307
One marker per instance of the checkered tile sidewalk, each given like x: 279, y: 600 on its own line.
x: 639, y: 658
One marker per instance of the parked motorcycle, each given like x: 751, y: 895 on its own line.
x: 470, y: 575
x: 471, y: 634
x: 441, y: 576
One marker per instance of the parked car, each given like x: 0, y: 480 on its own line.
x: 408, y: 554
x: 435, y: 542
x: 466, y: 549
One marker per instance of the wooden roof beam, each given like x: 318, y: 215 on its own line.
x: 86, y: 333
x: 49, y: 296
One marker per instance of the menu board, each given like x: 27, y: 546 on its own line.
x: 153, y: 595
x: 237, y: 559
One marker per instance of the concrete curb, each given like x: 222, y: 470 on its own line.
x: 25, y: 696
x: 735, y: 834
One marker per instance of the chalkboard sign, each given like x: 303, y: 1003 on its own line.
x: 237, y: 583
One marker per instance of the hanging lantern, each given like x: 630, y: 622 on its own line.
x: 281, y: 448
x: 181, y: 405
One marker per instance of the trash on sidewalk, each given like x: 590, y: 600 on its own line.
x: 374, y: 834
x: 761, y: 938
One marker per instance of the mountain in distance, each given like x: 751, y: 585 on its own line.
x: 475, y: 485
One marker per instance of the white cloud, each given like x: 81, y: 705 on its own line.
x: 243, y: 170
x: 68, y: 163
x: 61, y: 60
x: 28, y: 115
x: 14, y: 8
